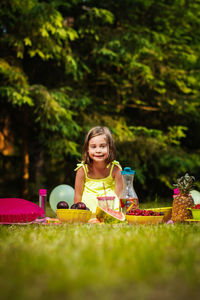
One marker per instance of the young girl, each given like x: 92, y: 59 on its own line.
x: 99, y: 171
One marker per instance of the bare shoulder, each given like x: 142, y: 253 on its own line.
x: 116, y: 172
x: 80, y: 173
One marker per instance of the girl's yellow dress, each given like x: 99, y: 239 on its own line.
x: 95, y: 187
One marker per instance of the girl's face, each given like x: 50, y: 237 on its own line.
x: 98, y: 149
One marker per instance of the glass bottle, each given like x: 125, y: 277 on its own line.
x: 129, y: 198
x: 43, y: 199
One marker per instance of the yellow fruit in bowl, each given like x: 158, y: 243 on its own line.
x: 73, y: 215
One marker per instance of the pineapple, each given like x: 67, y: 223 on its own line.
x: 184, y: 200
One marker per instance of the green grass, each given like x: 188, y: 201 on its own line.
x: 100, y: 262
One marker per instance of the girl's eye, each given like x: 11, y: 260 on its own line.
x: 94, y: 146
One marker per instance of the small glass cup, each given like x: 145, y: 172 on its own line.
x: 106, y: 201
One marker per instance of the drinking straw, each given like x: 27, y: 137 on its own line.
x: 104, y: 188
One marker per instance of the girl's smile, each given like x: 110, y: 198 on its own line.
x: 98, y: 149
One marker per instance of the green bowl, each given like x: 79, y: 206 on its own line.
x: 195, y: 213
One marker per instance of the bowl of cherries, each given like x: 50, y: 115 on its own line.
x: 144, y: 216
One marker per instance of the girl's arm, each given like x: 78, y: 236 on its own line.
x: 79, y: 185
x: 118, y: 181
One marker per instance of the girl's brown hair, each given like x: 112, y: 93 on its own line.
x: 95, y: 131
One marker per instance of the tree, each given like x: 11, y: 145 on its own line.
x: 35, y: 38
x: 145, y: 78
x: 132, y: 65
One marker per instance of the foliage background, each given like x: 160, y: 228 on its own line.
x: 65, y: 66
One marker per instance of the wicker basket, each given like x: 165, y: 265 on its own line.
x: 73, y: 215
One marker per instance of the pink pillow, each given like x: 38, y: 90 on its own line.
x: 16, y: 210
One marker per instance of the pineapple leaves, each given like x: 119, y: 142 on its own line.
x: 185, y: 183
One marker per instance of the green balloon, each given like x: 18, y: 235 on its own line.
x: 62, y: 192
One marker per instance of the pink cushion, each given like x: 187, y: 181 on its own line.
x: 16, y: 210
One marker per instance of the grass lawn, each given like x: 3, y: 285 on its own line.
x: 100, y: 261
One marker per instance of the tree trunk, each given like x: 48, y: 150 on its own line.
x: 25, y: 157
